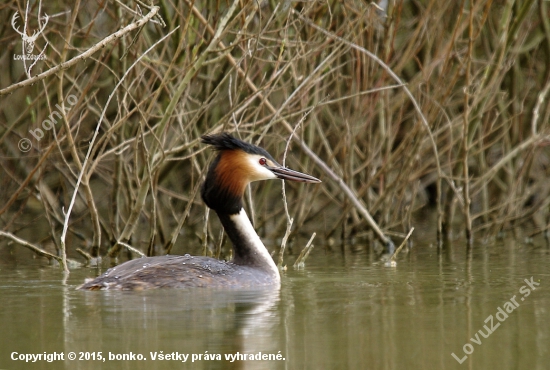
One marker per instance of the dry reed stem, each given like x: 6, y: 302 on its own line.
x: 465, y: 131
x: 394, y: 255
x: 32, y: 247
x: 290, y: 220
x: 132, y: 249
x: 301, y: 260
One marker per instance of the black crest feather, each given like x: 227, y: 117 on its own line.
x: 225, y: 141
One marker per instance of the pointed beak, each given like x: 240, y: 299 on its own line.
x: 288, y: 174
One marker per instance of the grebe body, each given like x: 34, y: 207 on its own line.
x: 236, y: 165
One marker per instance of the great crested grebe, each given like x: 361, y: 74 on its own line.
x: 237, y: 164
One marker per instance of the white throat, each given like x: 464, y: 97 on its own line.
x: 258, y: 250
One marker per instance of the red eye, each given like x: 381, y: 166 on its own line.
x: 263, y: 161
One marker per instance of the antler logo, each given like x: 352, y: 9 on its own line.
x: 28, y: 41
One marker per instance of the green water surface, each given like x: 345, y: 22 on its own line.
x: 343, y: 311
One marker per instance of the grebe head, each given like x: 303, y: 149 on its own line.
x: 238, y: 163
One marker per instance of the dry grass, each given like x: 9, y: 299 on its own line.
x: 437, y: 106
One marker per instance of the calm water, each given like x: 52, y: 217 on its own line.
x: 342, y: 312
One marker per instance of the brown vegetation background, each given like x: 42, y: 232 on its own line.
x: 461, y: 134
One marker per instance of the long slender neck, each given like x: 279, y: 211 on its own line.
x: 248, y: 249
